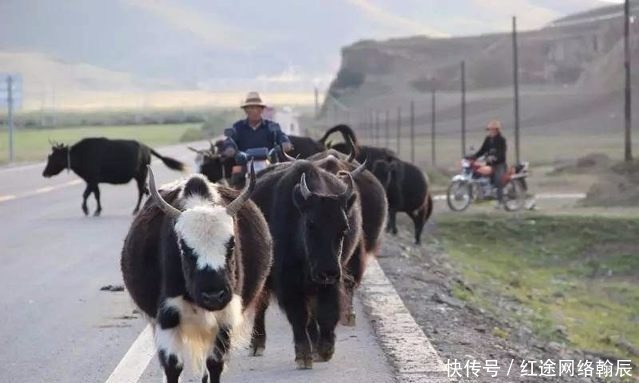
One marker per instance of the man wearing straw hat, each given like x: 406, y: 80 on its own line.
x: 253, y: 132
x: 494, y: 148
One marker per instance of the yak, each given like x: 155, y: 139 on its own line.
x: 101, y: 160
x: 362, y: 153
x: 195, y: 262
x: 374, y: 209
x: 407, y: 191
x: 315, y: 221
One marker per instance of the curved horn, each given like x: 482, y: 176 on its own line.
x: 166, y: 207
x: 198, y: 151
x: 235, y: 206
x: 306, y: 192
x: 359, y: 170
x: 287, y: 157
x: 349, y: 184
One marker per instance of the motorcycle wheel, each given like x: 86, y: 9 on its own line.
x: 514, y: 196
x: 459, y: 196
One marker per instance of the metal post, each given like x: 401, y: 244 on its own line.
x: 516, y: 82
x: 371, y: 128
x: 399, y: 129
x: 387, y: 129
x: 412, y: 131
x: 377, y: 137
x: 433, y: 121
x: 316, y: 103
x: 10, y: 116
x: 628, y: 90
x: 463, y: 108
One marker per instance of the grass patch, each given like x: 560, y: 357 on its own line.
x: 576, y: 274
x: 33, y: 144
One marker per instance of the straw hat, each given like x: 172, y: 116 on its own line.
x: 253, y: 99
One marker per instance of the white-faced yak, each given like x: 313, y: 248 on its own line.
x: 100, y: 160
x: 315, y: 220
x: 195, y: 261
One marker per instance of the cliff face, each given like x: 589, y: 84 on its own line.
x: 584, y: 50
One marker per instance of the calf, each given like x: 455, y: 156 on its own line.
x: 100, y: 160
x: 315, y: 220
x: 195, y: 262
x: 374, y: 215
x: 407, y: 191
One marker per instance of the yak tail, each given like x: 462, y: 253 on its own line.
x: 168, y: 161
x: 346, y: 132
x: 429, y: 208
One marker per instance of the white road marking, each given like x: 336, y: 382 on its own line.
x: 9, y: 169
x: 135, y: 361
x: 442, y: 197
x: 46, y: 189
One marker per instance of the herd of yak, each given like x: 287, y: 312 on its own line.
x: 203, y: 258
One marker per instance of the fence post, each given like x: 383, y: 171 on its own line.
x: 628, y: 88
x: 387, y: 118
x: 10, y: 116
x: 399, y: 129
x: 412, y: 132
x: 463, y: 108
x: 516, y: 87
x: 433, y: 121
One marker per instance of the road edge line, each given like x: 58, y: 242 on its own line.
x: 136, y: 359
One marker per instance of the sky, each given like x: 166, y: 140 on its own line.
x: 230, y: 44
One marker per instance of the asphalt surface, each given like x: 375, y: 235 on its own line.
x: 58, y: 326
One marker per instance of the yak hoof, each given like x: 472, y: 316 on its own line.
x: 97, y: 213
x: 135, y: 211
x: 394, y: 231
x: 324, y: 352
x: 85, y: 210
x: 256, y: 351
x: 304, y: 363
x: 205, y: 378
x: 350, y: 320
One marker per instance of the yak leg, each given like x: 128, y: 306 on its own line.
x: 96, y: 194
x: 169, y: 343
x: 328, y: 312
x: 313, y: 328
x: 142, y: 190
x: 215, y: 361
x: 419, y: 220
x: 85, y: 196
x: 258, y: 340
x: 354, y: 271
x: 296, y: 309
x: 392, y: 221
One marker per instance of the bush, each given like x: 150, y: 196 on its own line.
x: 192, y: 134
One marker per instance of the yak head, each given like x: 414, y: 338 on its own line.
x: 205, y: 230
x: 324, y: 224
x: 384, y: 170
x: 58, y: 160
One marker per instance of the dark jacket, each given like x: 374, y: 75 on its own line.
x: 495, y: 147
x: 242, y: 137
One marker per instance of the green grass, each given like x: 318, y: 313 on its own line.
x: 33, y: 144
x: 576, y: 273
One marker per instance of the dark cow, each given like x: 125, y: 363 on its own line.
x: 315, y: 220
x: 374, y: 215
x: 370, y: 154
x: 407, y: 191
x: 100, y: 160
x: 195, y: 261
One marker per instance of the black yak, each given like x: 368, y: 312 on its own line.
x: 101, y: 160
x: 315, y: 220
x: 195, y: 262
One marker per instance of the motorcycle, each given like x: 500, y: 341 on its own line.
x: 469, y: 186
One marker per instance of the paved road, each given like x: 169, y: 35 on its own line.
x: 57, y: 326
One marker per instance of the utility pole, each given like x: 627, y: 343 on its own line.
x: 463, y: 108
x: 516, y: 87
x: 10, y: 116
x: 432, y: 130
x: 412, y: 132
x: 399, y: 129
x: 387, y: 118
x: 316, y: 103
x: 628, y: 106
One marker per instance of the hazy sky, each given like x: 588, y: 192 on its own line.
x: 224, y: 43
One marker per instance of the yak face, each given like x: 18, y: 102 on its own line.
x: 383, y: 172
x: 213, y: 167
x: 205, y: 234
x: 323, y: 226
x: 57, y: 161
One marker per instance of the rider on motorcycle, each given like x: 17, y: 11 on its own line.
x: 494, y: 148
x: 252, y: 132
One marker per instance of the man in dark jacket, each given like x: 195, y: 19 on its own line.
x: 494, y: 148
x: 252, y: 132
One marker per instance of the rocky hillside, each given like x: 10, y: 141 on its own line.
x: 583, y: 50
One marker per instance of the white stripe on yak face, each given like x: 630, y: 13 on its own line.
x: 206, y: 229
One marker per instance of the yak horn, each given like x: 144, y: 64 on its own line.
x: 234, y: 207
x: 306, y: 192
x: 349, y: 184
x: 167, y: 208
x: 287, y: 157
x: 198, y: 151
x: 359, y: 170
